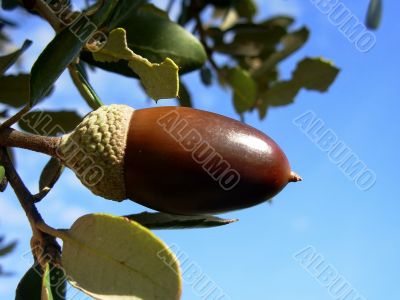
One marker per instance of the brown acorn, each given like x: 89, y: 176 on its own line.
x: 175, y: 159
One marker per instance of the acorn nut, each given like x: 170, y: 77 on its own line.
x: 177, y: 160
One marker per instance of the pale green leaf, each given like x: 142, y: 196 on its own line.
x: 112, y: 258
x: 160, y: 80
x: 115, y: 49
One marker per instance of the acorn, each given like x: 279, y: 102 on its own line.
x: 177, y: 160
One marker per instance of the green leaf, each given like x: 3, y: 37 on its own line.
x: 50, y: 174
x: 30, y: 286
x: 104, y: 12
x: 58, y: 280
x: 8, y: 249
x: 9, y: 59
x: 49, y: 123
x: 62, y: 50
x: 186, y: 13
x: 220, y: 3
x: 281, y: 21
x: 262, y: 108
x: 311, y: 73
x: 245, y: 8
x: 123, y: 11
x: 111, y: 257
x: 3, y: 179
x: 9, y: 4
x: 251, y: 40
x: 53, y: 283
x: 94, y: 102
x: 291, y: 43
x: 4, y: 113
x: 167, y: 221
x: 315, y: 74
x: 2, y: 173
x: 374, y: 14
x: 206, y: 76
x: 159, y: 80
x: 184, y: 96
x: 243, y: 86
x: 46, y: 284
x: 281, y: 93
x: 153, y: 36
x: 14, y: 90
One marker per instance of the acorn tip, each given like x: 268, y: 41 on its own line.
x: 294, y: 177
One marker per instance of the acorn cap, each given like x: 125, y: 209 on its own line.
x: 95, y: 150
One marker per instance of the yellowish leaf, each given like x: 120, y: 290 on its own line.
x: 115, y: 258
x: 159, y: 80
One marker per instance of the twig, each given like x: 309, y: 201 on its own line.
x: 203, y: 39
x: 60, y: 233
x: 13, y: 138
x: 15, y: 118
x: 45, y: 11
x: 44, y: 246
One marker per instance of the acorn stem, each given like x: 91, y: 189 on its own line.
x: 294, y: 177
x: 44, y: 144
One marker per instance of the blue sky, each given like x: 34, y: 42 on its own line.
x: 354, y: 231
